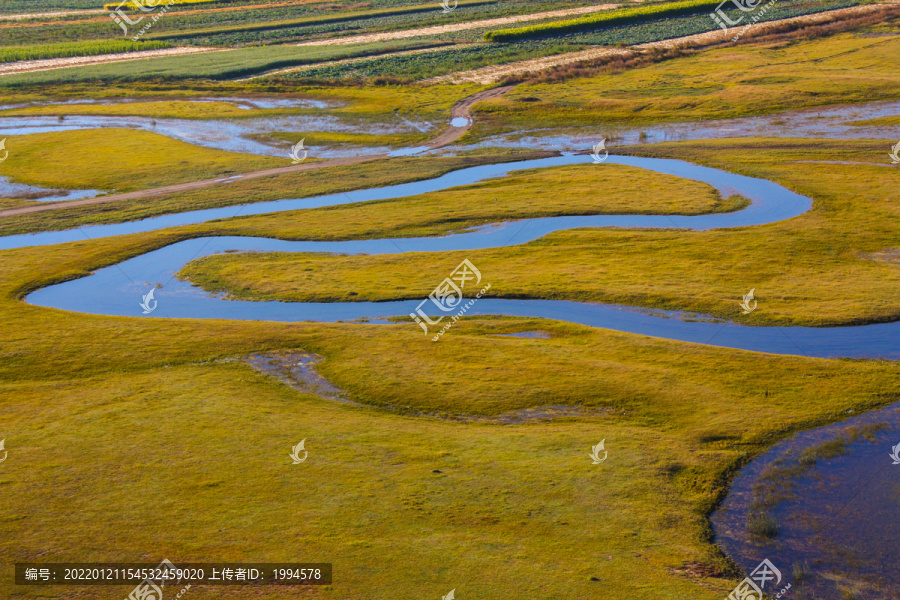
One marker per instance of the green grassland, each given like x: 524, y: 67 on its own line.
x: 119, y: 159
x: 814, y: 269
x: 137, y: 439
x: 762, y: 78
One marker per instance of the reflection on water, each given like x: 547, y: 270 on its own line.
x: 829, y: 123
x: 236, y: 135
x: 840, y: 515
x: 22, y: 191
x: 233, y: 135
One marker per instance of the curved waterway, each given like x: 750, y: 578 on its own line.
x: 836, y: 516
x: 118, y: 290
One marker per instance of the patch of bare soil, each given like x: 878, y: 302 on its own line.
x: 890, y: 256
x: 297, y: 370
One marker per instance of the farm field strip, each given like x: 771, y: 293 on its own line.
x: 346, y: 61
x: 492, y: 74
x: 625, y: 15
x: 437, y: 30
x: 52, y: 15
x: 30, y: 66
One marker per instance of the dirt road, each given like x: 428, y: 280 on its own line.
x: 459, y: 111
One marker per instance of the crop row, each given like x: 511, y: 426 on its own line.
x: 13, y: 54
x: 318, y: 20
x: 209, y: 65
x: 617, y: 17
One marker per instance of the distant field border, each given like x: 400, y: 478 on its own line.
x: 134, y: 4
x: 387, y: 12
x: 616, y: 17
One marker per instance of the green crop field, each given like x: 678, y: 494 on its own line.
x: 213, y: 65
x: 75, y: 49
x: 628, y: 15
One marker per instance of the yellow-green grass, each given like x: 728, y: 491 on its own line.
x: 331, y: 139
x: 163, y: 100
x: 287, y: 185
x: 891, y: 121
x: 163, y: 109
x: 138, y: 439
x: 521, y: 195
x: 118, y: 159
x: 740, y: 81
x: 820, y: 268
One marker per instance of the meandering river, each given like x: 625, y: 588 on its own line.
x: 118, y: 290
